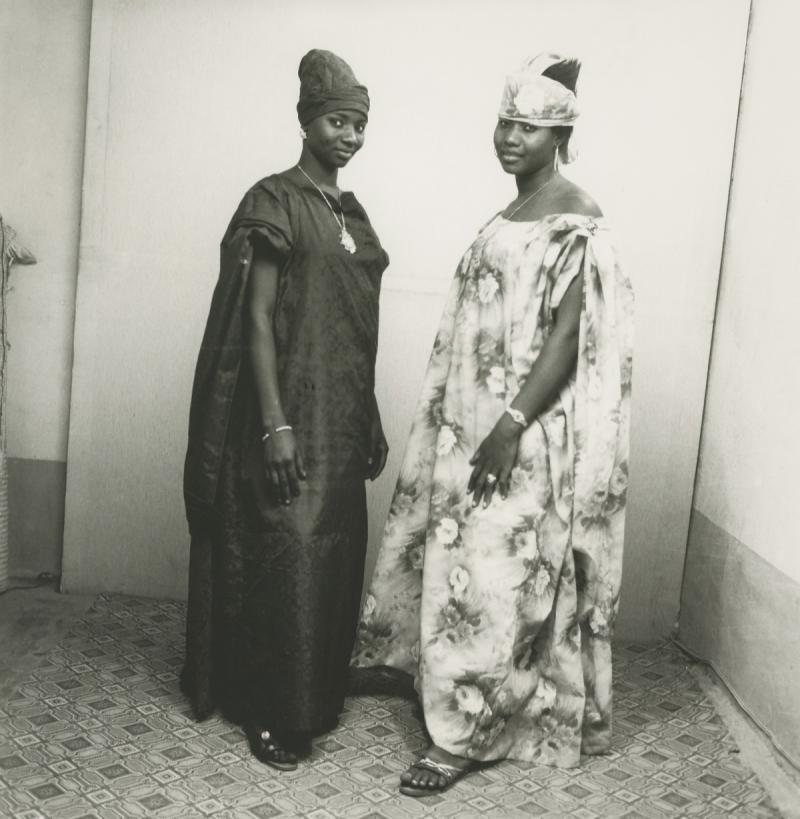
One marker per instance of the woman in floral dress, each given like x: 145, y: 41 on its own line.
x: 498, y: 577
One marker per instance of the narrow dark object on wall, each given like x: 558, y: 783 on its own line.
x: 11, y: 252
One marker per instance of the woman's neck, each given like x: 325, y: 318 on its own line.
x: 323, y: 175
x: 528, y: 183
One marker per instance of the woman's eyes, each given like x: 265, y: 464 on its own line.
x: 340, y: 123
x: 526, y: 126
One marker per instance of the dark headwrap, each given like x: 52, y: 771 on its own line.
x: 327, y: 83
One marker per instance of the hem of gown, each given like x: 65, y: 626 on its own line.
x: 236, y: 714
x: 549, y: 762
x: 389, y: 681
x: 567, y: 758
x: 564, y: 760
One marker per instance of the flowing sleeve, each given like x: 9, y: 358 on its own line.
x: 588, y: 427
x: 263, y: 216
x: 601, y: 415
x: 563, y: 261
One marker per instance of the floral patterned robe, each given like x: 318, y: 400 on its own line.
x: 504, y: 614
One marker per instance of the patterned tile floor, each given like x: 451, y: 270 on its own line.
x: 99, y: 729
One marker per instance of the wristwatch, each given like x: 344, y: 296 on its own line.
x: 517, y: 416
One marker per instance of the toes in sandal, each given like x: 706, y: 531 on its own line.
x: 268, y: 750
x: 450, y: 773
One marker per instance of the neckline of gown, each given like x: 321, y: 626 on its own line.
x: 549, y: 217
x: 305, y: 185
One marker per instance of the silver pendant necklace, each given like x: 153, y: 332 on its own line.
x: 345, y: 239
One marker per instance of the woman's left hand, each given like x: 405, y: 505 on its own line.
x: 378, y: 448
x: 493, y: 461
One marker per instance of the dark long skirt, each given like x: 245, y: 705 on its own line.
x: 272, y: 614
x: 274, y: 590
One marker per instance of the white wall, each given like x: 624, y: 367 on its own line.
x: 44, y: 63
x: 747, y: 481
x: 44, y: 55
x: 741, y: 597
x: 192, y: 102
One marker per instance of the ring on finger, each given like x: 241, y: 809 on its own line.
x: 491, y: 479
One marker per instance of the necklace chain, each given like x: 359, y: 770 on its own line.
x: 346, y: 240
x: 528, y: 198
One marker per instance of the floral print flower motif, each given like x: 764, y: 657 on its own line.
x: 538, y: 576
x: 416, y: 557
x: 496, y: 380
x: 597, y: 622
x: 484, y: 737
x: 619, y: 481
x: 626, y: 372
x: 524, y: 540
x: 413, y: 550
x: 447, y: 531
x: 545, y: 696
x: 457, y: 622
x: 541, y: 581
x: 402, y: 503
x: 469, y: 699
x: 446, y: 441
x: 487, y: 288
x: 369, y: 608
x: 459, y: 580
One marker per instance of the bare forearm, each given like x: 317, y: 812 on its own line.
x: 550, y: 372
x: 495, y: 457
x: 264, y: 362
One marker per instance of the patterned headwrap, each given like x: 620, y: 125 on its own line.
x: 327, y: 83
x: 531, y: 97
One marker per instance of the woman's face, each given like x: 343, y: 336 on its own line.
x: 523, y: 148
x: 333, y: 138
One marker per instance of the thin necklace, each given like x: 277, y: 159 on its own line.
x: 528, y: 199
x: 345, y: 239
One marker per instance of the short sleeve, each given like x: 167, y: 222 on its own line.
x: 572, y: 251
x: 568, y: 266
x: 262, y: 220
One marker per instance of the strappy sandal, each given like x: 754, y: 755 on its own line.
x: 450, y: 773
x: 268, y: 750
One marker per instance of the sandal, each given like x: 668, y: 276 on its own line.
x: 450, y: 773
x: 268, y: 750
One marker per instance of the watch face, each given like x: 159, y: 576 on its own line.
x: 518, y: 416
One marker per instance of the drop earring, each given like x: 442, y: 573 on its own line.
x: 556, y: 158
x: 303, y: 134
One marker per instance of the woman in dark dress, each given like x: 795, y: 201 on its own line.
x: 283, y: 431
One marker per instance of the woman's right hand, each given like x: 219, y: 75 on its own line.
x: 283, y: 465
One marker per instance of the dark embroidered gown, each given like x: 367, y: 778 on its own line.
x: 274, y: 590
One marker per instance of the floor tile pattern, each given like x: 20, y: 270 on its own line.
x: 99, y: 729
